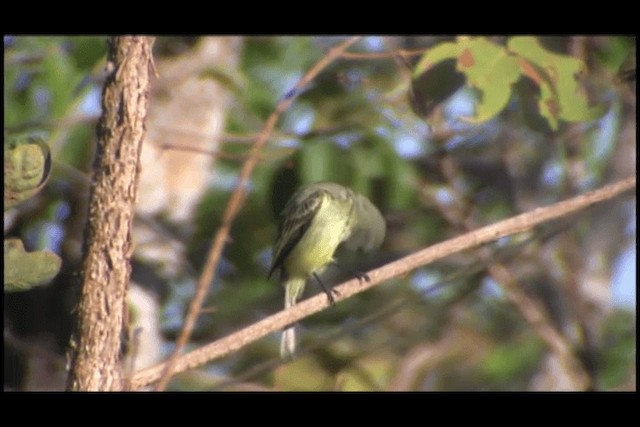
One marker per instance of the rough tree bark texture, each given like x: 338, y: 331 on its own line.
x: 107, y: 245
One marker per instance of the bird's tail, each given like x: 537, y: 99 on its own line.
x: 292, y: 291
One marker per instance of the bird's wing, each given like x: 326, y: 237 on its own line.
x: 369, y: 226
x: 297, y: 217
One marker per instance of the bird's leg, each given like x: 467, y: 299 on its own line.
x: 329, y: 291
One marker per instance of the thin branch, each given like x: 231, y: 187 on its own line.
x: 226, y: 138
x: 234, y: 205
x: 248, y: 138
x: 215, y: 153
x: 219, y: 154
x: 276, y: 322
x: 384, y: 55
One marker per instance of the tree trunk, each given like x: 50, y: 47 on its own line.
x: 101, y: 321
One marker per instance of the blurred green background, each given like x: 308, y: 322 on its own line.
x: 444, y: 135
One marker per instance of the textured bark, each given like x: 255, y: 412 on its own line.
x: 106, y: 269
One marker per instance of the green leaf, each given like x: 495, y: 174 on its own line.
x: 562, y: 96
x: 617, y: 356
x: 400, y: 177
x: 27, y: 167
x: 25, y: 270
x: 488, y: 68
x: 61, y: 78
x: 492, y: 71
x: 437, y: 54
x: 511, y: 360
x: 367, y: 162
x: 87, y: 51
x: 322, y: 161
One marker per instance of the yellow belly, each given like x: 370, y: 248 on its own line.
x: 316, y: 248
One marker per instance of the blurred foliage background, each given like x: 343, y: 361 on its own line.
x: 443, y: 134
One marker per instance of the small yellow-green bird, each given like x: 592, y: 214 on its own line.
x: 315, y: 221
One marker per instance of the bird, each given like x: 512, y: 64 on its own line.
x: 317, y: 219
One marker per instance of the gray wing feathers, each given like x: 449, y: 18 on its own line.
x: 369, y: 229
x: 297, y: 216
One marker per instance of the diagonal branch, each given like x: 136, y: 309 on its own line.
x: 513, y: 225
x: 234, y: 205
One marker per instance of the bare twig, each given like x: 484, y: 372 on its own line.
x: 234, y: 205
x: 517, y: 224
x: 405, y: 53
x: 215, y: 153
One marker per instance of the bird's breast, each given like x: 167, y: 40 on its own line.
x: 315, y: 249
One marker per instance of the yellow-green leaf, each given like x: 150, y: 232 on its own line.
x: 436, y: 54
x: 25, y: 270
x: 562, y: 72
x: 27, y: 166
x: 492, y: 71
